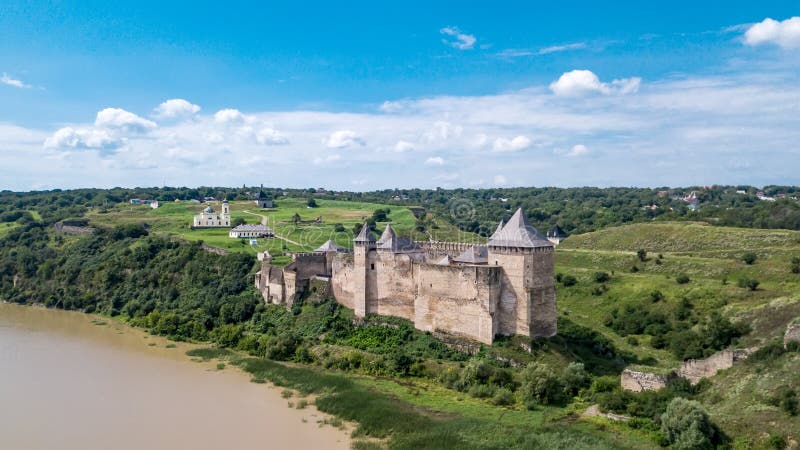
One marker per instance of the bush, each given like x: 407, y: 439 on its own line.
x: 682, y: 279
x: 503, y: 397
x: 749, y: 258
x: 656, y: 296
x: 642, y: 255
x: 749, y: 284
x: 601, y: 277
x: 575, y: 378
x: 569, y: 280
x: 686, y: 425
x: 796, y: 264
x: 540, y: 385
x: 481, y: 391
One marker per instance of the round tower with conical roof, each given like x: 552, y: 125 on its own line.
x: 527, y: 297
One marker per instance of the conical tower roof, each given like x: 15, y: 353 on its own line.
x: 557, y: 232
x: 329, y: 246
x: 365, y: 236
x: 388, y: 234
x: 499, y: 228
x: 519, y: 233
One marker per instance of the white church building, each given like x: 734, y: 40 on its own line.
x: 209, y: 218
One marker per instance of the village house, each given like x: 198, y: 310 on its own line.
x: 251, y: 231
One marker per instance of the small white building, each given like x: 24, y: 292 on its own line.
x: 208, y: 218
x: 251, y: 231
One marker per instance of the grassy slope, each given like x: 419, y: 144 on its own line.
x: 5, y: 227
x: 737, y: 397
x: 176, y: 218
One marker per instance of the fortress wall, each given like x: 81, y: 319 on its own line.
x: 437, y: 250
x: 310, y: 265
x: 457, y: 299
x: 342, y: 280
x: 642, y: 381
x: 696, y: 369
x: 395, y: 287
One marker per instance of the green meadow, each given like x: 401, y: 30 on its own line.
x: 175, y: 219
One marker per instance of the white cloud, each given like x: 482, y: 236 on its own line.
x: 116, y: 118
x: 175, y: 108
x: 403, y: 146
x: 457, y: 39
x: 561, y: 48
x: 344, y: 139
x: 500, y: 180
x: 81, y: 138
x: 17, y: 83
x: 511, y: 145
x: 434, y: 161
x: 231, y: 116
x: 785, y: 34
x: 269, y: 136
x: 578, y: 150
x: 581, y: 82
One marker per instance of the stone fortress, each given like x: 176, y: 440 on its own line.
x: 505, y: 287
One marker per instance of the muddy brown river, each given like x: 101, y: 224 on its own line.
x: 67, y: 382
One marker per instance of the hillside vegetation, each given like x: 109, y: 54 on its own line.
x: 647, y: 295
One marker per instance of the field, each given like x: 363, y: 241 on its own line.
x: 175, y: 219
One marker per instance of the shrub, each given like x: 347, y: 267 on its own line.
x: 749, y: 258
x: 503, y: 397
x: 749, y: 283
x: 685, y: 425
x: 682, y: 279
x: 656, y: 296
x: 642, y: 255
x: 575, y: 378
x: 481, y: 391
x: 339, y: 228
x: 540, y: 385
x: 796, y: 264
x: 601, y: 277
x: 634, y: 269
x: 569, y: 280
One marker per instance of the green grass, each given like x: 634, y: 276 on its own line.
x: 711, y: 257
x: 175, y: 219
x: 426, y: 416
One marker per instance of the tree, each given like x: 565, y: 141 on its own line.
x: 749, y: 283
x: 238, y: 221
x: 569, y: 280
x: 749, y: 258
x: 311, y: 203
x: 642, y: 255
x: 601, y: 277
x: 686, y: 425
x: 540, y: 385
x: 575, y: 378
x: 796, y: 264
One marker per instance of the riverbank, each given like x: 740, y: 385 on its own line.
x: 72, y: 380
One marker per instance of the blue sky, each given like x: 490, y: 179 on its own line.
x: 369, y: 95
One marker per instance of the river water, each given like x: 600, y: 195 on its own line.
x: 67, y: 382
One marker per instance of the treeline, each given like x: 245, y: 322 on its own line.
x: 576, y: 210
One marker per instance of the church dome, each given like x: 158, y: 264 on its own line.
x: 209, y: 210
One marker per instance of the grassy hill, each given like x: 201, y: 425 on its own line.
x: 711, y: 259
x: 175, y: 219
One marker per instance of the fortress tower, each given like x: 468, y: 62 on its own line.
x: 363, y: 270
x: 528, y: 298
